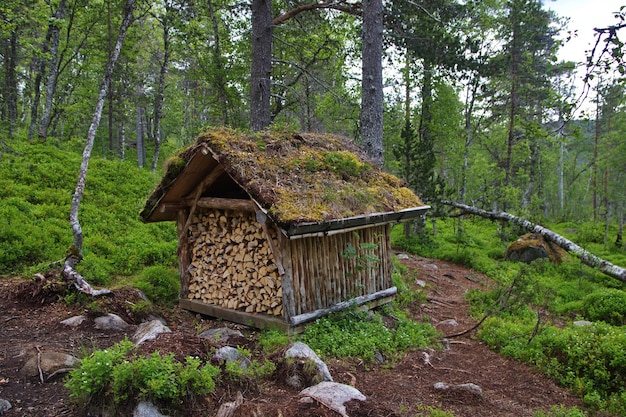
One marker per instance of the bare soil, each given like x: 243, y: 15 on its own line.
x: 29, y: 324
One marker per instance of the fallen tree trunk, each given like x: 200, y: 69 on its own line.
x: 586, y: 257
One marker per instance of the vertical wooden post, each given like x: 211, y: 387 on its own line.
x: 289, y: 308
x: 184, y: 257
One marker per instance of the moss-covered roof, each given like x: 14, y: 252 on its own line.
x: 297, y: 178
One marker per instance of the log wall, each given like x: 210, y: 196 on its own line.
x: 232, y: 264
x: 322, y: 276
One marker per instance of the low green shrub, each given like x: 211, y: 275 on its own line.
x: 160, y: 284
x: 608, y: 305
x: 590, y: 360
x: 112, y: 376
x: 273, y: 339
x: 94, y: 374
x: 561, y: 411
x: 356, y: 333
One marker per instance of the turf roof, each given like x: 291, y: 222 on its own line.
x: 298, y: 177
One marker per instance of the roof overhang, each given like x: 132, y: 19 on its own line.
x: 301, y: 230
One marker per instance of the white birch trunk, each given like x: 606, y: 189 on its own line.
x: 586, y: 257
x: 75, y: 253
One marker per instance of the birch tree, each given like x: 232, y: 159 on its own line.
x: 75, y: 253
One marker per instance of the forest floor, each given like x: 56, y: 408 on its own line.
x: 30, y: 325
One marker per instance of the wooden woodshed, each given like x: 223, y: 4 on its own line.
x: 278, y: 229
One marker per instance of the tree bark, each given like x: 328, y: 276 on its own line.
x: 53, y: 69
x: 158, y: 100
x: 261, y: 66
x: 586, y: 257
x: 75, y: 253
x: 372, y: 81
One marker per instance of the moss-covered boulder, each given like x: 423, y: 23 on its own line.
x: 533, y: 246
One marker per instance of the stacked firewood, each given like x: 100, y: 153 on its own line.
x: 232, y: 264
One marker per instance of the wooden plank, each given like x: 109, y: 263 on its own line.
x: 388, y: 294
x: 286, y: 281
x: 184, y: 255
x: 237, y: 204
x: 261, y: 321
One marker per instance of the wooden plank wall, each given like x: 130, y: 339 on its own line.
x: 322, y: 276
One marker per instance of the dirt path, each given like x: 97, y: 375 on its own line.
x: 402, y: 389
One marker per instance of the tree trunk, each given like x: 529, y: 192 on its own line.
x: 158, y: 100
x: 75, y: 253
x: 372, y: 81
x: 261, y: 67
x: 141, y: 146
x: 9, y: 108
x: 40, y: 65
x: 586, y: 257
x: 53, y: 70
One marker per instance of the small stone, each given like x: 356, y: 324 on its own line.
x: 149, y: 330
x: 303, y: 351
x: 147, y: 409
x: 4, y: 406
x: 220, y: 335
x: 402, y: 256
x: 430, y: 266
x: 582, y: 323
x: 111, y: 322
x: 378, y: 357
x: 48, y: 362
x: 231, y: 354
x: 420, y: 283
x: 447, y: 322
x: 333, y: 395
x: 74, y: 321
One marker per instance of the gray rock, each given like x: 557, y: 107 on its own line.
x: 420, y: 283
x: 74, y: 321
x: 333, y: 395
x: 149, y: 330
x: 231, y: 354
x: 220, y: 335
x: 402, y: 256
x: 303, y: 351
x: 111, y: 322
x: 582, y: 323
x: 468, y: 388
x: 448, y: 322
x: 147, y: 409
x: 48, y: 362
x: 432, y: 267
x: 378, y: 357
x: 4, y: 406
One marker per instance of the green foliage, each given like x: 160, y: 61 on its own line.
x: 255, y: 371
x: 608, y: 305
x: 113, y: 377
x: 36, y: 186
x: 589, y: 360
x: 356, y: 333
x: 160, y: 284
x: 429, y: 411
x: 162, y: 378
x: 273, y: 339
x: 561, y: 411
x: 94, y: 374
x: 401, y: 279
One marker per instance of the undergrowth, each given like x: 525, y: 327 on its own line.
x: 532, y: 310
x: 356, y: 333
x: 36, y: 186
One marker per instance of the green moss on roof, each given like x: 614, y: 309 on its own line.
x: 304, y: 177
